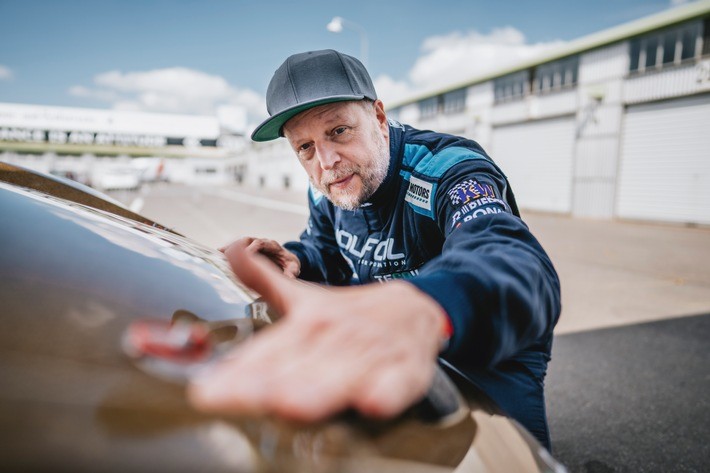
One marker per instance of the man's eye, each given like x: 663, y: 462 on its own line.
x: 304, y: 147
x: 339, y: 131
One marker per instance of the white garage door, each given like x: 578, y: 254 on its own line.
x: 665, y: 162
x: 537, y: 158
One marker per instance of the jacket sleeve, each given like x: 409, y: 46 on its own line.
x: 495, y: 281
x: 317, y: 248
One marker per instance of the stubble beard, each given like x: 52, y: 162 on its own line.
x: 371, y: 178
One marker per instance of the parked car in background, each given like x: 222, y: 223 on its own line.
x: 151, y: 169
x: 106, y: 313
x: 118, y: 178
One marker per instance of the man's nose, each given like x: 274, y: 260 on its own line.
x: 327, y: 155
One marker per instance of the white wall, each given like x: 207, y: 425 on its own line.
x: 599, y: 116
x: 270, y: 164
x: 668, y: 83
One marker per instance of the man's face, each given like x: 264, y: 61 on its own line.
x: 344, y: 148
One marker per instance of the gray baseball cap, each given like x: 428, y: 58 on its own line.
x: 307, y: 80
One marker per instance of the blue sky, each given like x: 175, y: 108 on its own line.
x: 190, y: 56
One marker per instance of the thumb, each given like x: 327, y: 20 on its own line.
x: 261, y: 275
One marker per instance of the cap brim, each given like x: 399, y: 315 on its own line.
x: 270, y: 129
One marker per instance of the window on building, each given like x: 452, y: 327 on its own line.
x: 668, y: 47
x: 429, y: 107
x: 511, y: 87
x: 454, y: 101
x: 689, y: 40
x: 651, y: 52
x: 706, y: 37
x: 449, y: 102
x: 635, y: 51
x: 556, y: 75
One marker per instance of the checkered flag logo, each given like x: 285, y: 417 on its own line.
x: 469, y: 189
x: 459, y: 190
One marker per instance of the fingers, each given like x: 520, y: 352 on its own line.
x: 264, y: 245
x: 241, y: 241
x: 286, y: 371
x: 228, y: 387
x: 260, y: 275
x: 261, y: 379
x: 292, y: 268
x: 277, y: 254
x: 393, y: 389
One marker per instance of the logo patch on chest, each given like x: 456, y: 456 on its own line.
x: 367, y: 249
x: 419, y: 193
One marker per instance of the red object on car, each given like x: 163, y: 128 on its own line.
x: 175, y: 342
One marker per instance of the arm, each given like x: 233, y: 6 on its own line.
x: 493, y: 278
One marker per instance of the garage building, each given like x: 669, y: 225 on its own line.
x: 613, y: 125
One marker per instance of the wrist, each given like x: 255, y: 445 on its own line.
x: 447, y: 331
x: 443, y: 327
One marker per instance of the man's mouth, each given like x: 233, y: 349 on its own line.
x: 341, y: 183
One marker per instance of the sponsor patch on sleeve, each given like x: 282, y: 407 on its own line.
x: 419, y: 193
x: 473, y: 199
x: 470, y: 190
x: 477, y: 208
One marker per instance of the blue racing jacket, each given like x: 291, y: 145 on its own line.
x: 445, y: 219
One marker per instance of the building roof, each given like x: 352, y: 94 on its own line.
x: 586, y: 43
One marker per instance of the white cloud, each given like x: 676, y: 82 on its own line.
x: 457, y: 57
x: 97, y: 94
x: 6, y: 73
x: 445, y: 60
x: 173, y: 90
x: 390, y: 90
x: 678, y: 2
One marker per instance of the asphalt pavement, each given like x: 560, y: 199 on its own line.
x: 627, y: 389
x: 632, y: 398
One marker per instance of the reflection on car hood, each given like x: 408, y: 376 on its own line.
x: 68, y: 190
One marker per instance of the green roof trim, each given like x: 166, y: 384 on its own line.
x: 586, y: 43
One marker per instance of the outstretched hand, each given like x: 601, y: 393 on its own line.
x: 280, y: 256
x: 372, y: 348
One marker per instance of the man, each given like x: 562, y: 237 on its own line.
x: 430, y: 215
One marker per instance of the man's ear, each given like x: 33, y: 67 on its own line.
x: 381, y: 117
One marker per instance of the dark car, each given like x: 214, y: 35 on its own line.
x: 104, y: 315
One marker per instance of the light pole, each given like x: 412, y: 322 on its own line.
x: 336, y: 26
